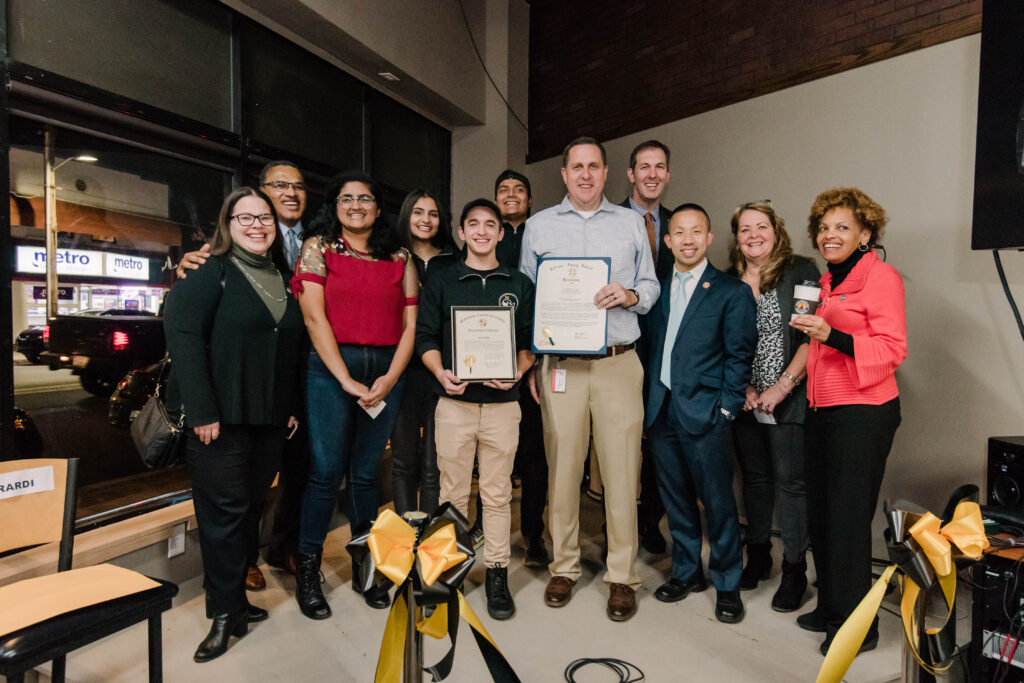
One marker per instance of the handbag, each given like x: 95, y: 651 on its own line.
x: 157, y: 438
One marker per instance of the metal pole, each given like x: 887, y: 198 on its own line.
x: 412, y: 669
x: 50, y: 195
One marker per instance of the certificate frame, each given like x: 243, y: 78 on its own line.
x: 476, y: 330
x: 556, y: 277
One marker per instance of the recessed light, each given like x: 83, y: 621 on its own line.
x: 388, y: 76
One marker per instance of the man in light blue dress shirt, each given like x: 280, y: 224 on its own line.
x: 603, y: 392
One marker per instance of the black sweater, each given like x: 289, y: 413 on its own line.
x: 460, y: 285
x: 230, y: 362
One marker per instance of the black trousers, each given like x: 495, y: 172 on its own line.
x: 847, y: 447
x: 230, y: 477
x: 414, y: 453
x: 294, y: 472
x: 532, y: 466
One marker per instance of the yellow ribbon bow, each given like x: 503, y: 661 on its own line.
x: 965, y: 531
x: 392, y: 541
x: 392, y: 544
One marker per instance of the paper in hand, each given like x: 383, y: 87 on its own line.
x: 375, y: 410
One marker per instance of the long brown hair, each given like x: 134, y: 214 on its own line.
x: 781, y: 254
x: 221, y: 241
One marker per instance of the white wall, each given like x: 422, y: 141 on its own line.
x: 902, y: 130
x: 481, y: 152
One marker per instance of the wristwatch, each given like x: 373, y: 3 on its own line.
x: 728, y: 416
x: 636, y: 294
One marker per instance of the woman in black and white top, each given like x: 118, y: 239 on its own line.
x: 771, y: 450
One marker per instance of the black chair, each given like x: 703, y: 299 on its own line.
x: 51, y: 514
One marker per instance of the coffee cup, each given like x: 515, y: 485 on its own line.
x: 805, y: 298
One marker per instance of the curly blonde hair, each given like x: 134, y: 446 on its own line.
x: 866, y: 210
x: 781, y: 254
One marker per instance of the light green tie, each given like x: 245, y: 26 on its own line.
x: 675, y: 316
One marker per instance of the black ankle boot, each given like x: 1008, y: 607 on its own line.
x: 759, y: 565
x: 307, y: 587
x: 790, y: 594
x: 225, y: 625
x: 499, y: 599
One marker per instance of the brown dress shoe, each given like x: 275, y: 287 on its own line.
x: 559, y: 591
x: 254, y: 580
x: 621, y: 602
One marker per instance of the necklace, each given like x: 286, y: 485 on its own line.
x: 256, y: 284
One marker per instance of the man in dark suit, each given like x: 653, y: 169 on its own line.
x: 702, y: 340
x: 649, y: 173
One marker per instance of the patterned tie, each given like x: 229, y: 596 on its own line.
x: 651, y: 237
x: 292, y: 245
x: 675, y: 316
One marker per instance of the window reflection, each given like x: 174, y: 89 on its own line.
x: 122, y: 221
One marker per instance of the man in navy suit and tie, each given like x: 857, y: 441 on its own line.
x: 702, y: 339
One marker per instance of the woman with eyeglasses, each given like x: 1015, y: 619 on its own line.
x: 426, y: 233
x: 858, y: 337
x: 769, y: 434
x: 233, y: 334
x: 358, y: 291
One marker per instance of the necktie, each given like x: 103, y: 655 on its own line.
x: 292, y: 243
x: 675, y: 316
x: 651, y: 237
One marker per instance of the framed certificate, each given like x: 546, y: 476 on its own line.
x: 565, y: 319
x: 483, y: 343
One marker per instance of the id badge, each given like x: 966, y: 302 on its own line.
x: 558, y: 380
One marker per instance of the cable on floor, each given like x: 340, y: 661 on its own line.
x: 623, y: 669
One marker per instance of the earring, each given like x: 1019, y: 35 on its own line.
x: 863, y: 246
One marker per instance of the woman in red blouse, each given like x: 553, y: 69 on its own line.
x: 358, y: 291
x: 858, y: 339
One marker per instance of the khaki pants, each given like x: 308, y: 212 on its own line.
x: 490, y: 431
x: 608, y: 395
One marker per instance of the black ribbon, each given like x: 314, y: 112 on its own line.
x: 445, y: 590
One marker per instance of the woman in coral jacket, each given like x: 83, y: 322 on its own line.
x: 858, y: 338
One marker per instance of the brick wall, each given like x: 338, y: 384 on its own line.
x: 614, y: 68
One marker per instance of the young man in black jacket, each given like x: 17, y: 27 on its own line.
x: 479, y: 419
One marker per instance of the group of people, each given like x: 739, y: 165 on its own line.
x: 695, y: 357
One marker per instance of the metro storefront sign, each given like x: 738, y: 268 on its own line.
x: 122, y: 266
x: 84, y: 263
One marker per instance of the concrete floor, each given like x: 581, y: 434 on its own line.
x: 668, y: 642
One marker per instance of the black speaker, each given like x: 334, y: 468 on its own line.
x: 1006, y: 471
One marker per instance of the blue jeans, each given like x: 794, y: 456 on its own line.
x: 344, y: 441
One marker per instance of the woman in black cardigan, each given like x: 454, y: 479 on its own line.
x: 771, y: 450
x: 233, y: 334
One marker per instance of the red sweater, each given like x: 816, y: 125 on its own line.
x: 869, y: 306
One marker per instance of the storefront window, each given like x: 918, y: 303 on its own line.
x: 121, y: 220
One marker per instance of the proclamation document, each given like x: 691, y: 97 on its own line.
x: 483, y: 343
x: 566, y: 321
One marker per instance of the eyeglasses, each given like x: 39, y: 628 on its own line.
x: 282, y: 185
x: 247, y: 219
x: 363, y: 199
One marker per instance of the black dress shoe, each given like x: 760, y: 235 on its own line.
x: 224, y: 626
x: 675, y: 590
x: 376, y: 596
x: 255, y: 614
x: 536, y: 553
x: 651, y: 540
x: 812, y: 621
x: 729, y: 607
x: 870, y: 642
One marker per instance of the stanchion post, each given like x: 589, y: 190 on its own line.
x: 412, y: 669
